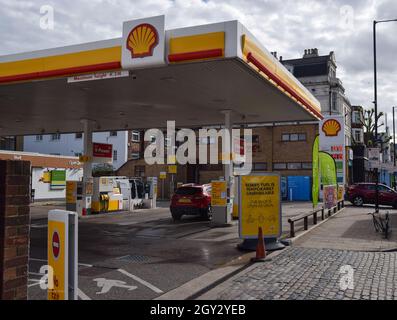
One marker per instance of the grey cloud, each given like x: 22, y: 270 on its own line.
x: 287, y: 26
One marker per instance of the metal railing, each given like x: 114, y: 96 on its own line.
x: 314, y: 214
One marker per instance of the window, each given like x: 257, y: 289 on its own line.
x: 293, y: 137
x: 56, y: 136
x: 79, y: 136
x: 294, y: 166
x: 307, y: 165
x: 356, y: 117
x: 302, y: 136
x: 260, y: 166
x: 135, y: 156
x: 136, y: 137
x: 139, y: 171
x: 114, y: 155
x: 113, y: 134
x: 39, y: 137
x: 279, y: 166
x: 357, y: 136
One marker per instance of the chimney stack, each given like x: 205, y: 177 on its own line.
x: 310, y: 53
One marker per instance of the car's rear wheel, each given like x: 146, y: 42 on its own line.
x: 176, y: 216
x: 207, y: 213
x: 358, y: 201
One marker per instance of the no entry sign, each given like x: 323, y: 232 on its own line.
x: 55, y: 244
x: 62, y: 254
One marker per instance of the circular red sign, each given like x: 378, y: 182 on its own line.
x: 56, y: 245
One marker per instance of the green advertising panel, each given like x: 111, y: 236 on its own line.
x: 58, y: 179
x: 327, y: 169
x: 316, y: 171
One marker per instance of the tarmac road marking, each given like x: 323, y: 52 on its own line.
x: 82, y: 295
x: 107, y: 284
x: 141, y: 281
x: 80, y: 264
x: 39, y: 226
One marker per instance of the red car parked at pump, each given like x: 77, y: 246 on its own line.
x: 191, y: 200
x: 365, y: 193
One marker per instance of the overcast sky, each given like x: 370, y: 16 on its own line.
x: 285, y: 26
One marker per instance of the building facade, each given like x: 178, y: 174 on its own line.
x: 319, y: 75
x: 126, y: 144
x: 280, y: 148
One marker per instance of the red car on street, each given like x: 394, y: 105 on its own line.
x: 365, y: 193
x: 191, y: 199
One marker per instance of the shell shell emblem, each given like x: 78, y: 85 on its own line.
x: 331, y: 128
x: 142, y: 40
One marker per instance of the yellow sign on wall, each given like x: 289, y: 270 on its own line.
x: 172, y: 169
x: 218, y: 194
x: 46, y: 177
x: 71, y: 192
x: 56, y: 260
x: 260, y: 206
x: 163, y: 175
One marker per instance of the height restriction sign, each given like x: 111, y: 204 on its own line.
x: 260, y: 205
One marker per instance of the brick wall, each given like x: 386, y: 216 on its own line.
x: 14, y: 229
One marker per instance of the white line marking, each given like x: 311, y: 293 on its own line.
x: 37, y: 274
x: 86, y: 265
x: 80, y: 264
x: 136, y: 278
x: 82, y: 295
x: 38, y: 226
x: 34, y: 259
x: 37, y: 282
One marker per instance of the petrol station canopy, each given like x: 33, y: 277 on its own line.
x: 148, y: 76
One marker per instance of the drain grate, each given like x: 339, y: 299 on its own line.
x: 135, y: 258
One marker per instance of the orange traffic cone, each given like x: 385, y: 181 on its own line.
x: 260, y: 248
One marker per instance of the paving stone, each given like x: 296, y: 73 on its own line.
x: 314, y: 274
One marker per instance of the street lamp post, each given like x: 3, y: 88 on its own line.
x: 376, y: 107
x: 394, y: 148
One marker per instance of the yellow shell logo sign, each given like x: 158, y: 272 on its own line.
x: 142, y: 40
x: 331, y: 128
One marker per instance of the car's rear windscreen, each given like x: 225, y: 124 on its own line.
x: 188, y: 191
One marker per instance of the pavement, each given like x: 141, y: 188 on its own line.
x: 342, y: 259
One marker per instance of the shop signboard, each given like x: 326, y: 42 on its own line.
x: 58, y: 179
x: 333, y: 141
x: 330, y: 196
x: 218, y: 194
x: 143, y: 43
x: 102, y: 153
x: 260, y: 205
x: 374, y: 157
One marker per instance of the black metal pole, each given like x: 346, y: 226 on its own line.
x: 394, y: 148
x: 376, y: 108
x: 376, y: 119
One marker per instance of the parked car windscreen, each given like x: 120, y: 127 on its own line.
x: 188, y: 191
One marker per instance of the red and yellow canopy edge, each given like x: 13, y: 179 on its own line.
x: 197, y: 47
x: 265, y: 65
x: 61, y: 65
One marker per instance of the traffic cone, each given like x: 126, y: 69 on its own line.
x: 260, y: 248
